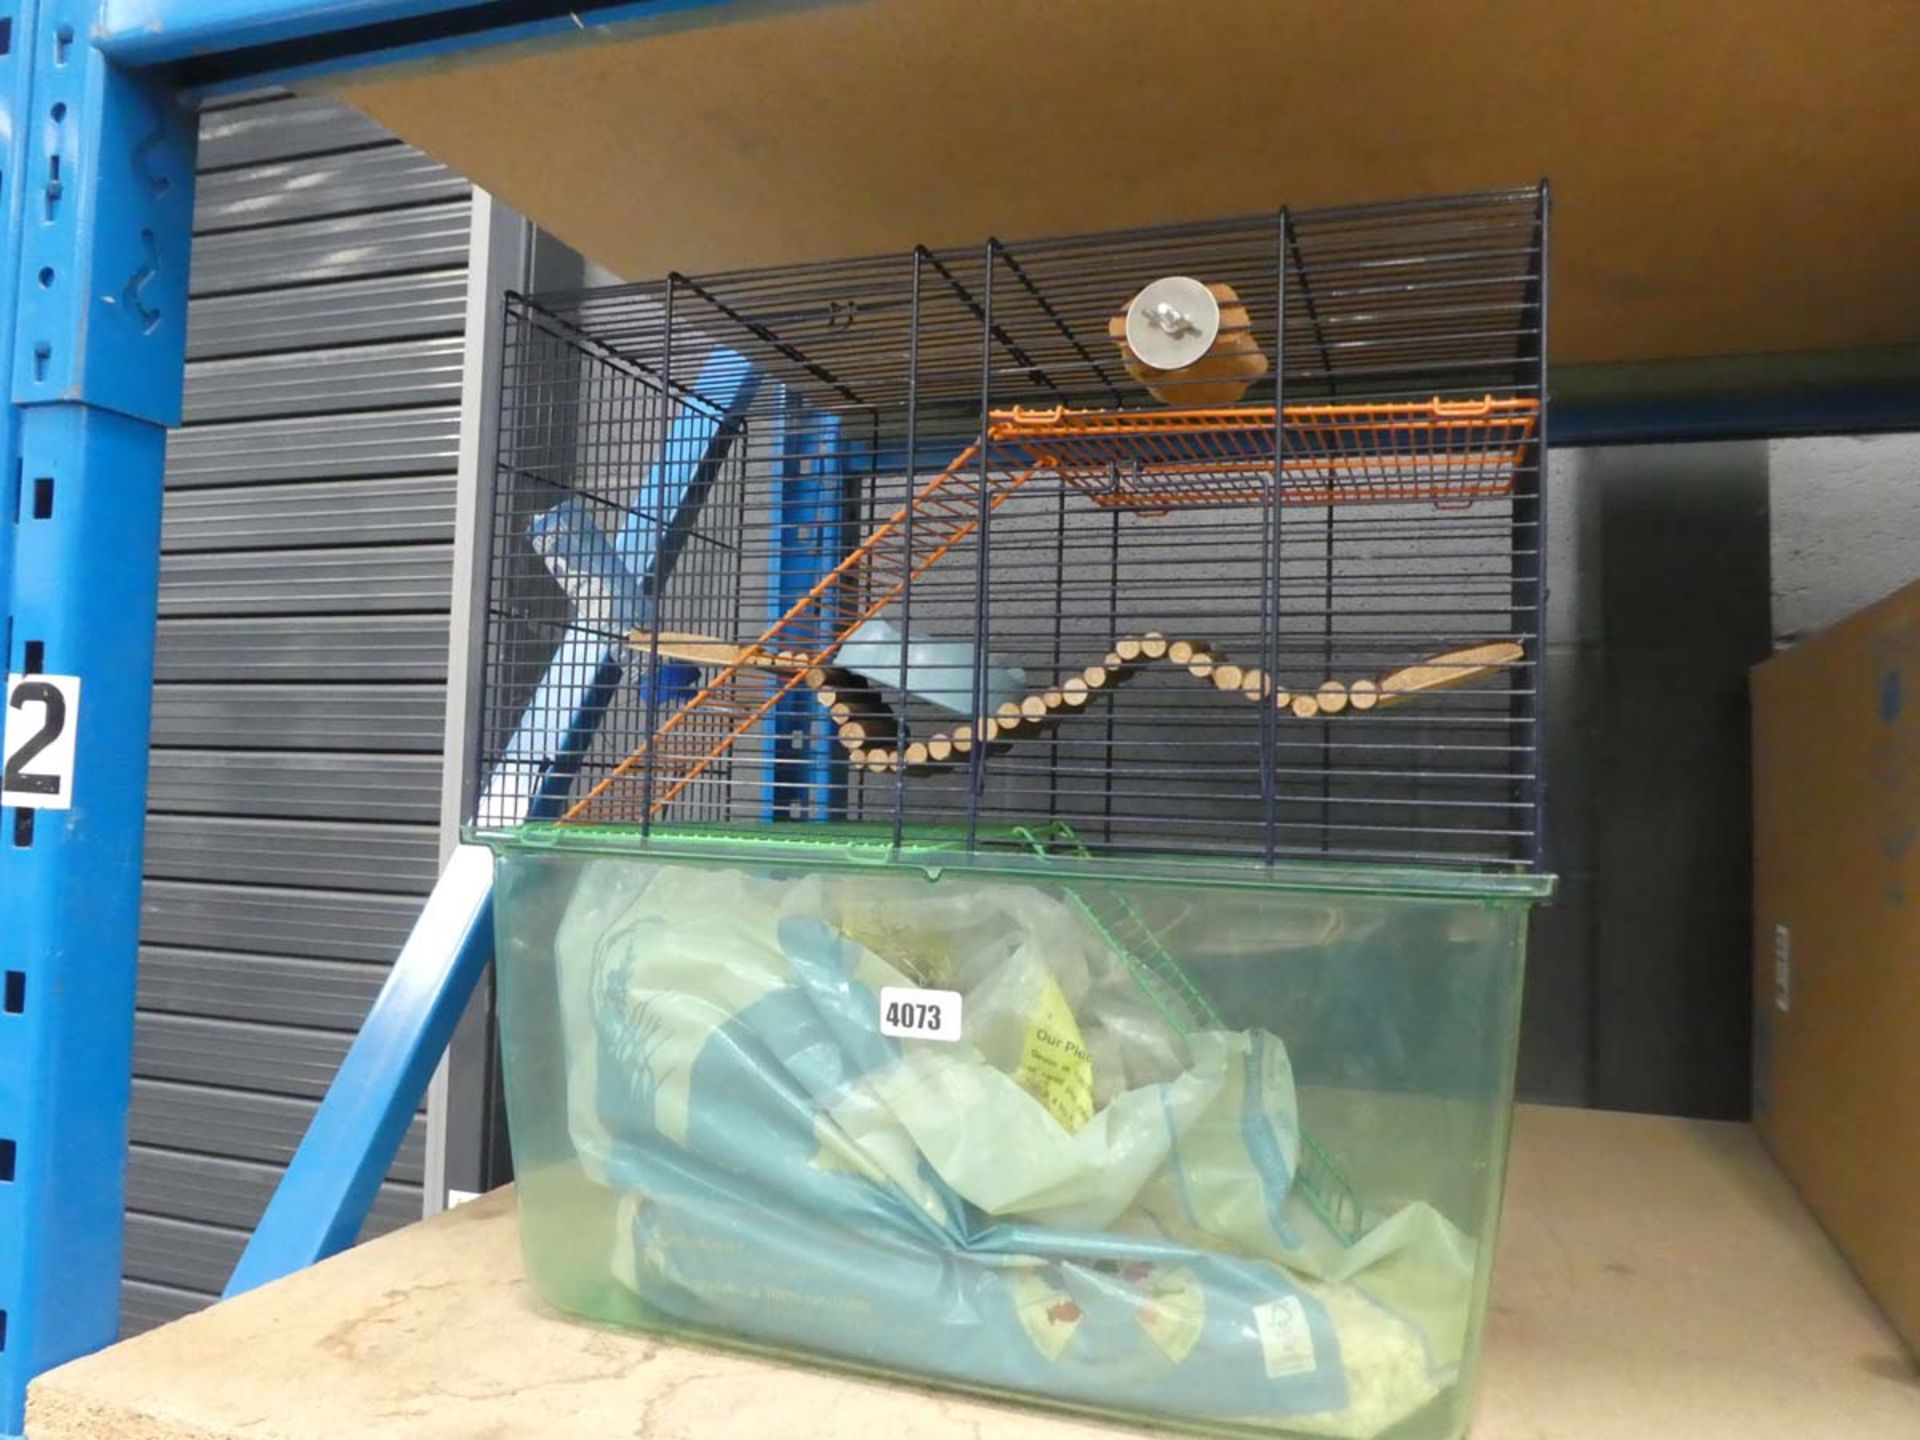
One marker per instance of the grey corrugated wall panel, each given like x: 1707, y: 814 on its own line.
x: 165, y: 1251
x: 331, y: 185
x: 271, y: 989
x: 293, y: 809
x: 381, y: 242
x: 238, y: 1055
x: 180, y: 1254
x: 377, y: 647
x: 282, y: 130
x: 322, y: 924
x: 387, y: 307
x: 214, y: 1120
x: 320, y: 382
x: 217, y: 1191
x: 143, y: 1306
x: 403, y: 442
x: 325, y: 512
x: 307, y: 717
x: 220, y: 782
x: 360, y: 581
x: 339, y: 855
x: 140, y: 1300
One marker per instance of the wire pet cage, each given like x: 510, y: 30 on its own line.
x: 1220, y: 539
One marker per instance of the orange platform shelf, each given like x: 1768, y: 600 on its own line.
x: 1443, y: 451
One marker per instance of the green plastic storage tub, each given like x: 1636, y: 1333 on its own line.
x: 1218, y: 1148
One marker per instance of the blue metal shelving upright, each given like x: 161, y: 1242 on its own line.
x: 93, y: 295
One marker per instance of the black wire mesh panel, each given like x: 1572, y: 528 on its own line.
x: 1217, y: 539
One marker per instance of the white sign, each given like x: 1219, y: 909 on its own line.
x: 920, y: 1014
x: 36, y: 755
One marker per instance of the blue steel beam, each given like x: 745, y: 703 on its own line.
x: 228, y: 44
x: 148, y: 31
x: 810, y: 538
x: 611, y: 585
x: 654, y: 533
x: 329, y: 1187
x: 98, y: 211
x: 1874, y: 390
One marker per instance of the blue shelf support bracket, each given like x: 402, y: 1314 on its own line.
x: 612, y: 584
x: 329, y: 1187
x: 612, y: 581
x: 98, y: 205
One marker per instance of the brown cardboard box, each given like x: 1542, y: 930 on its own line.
x: 1836, y: 753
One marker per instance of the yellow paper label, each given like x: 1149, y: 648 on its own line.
x: 1055, y: 1067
